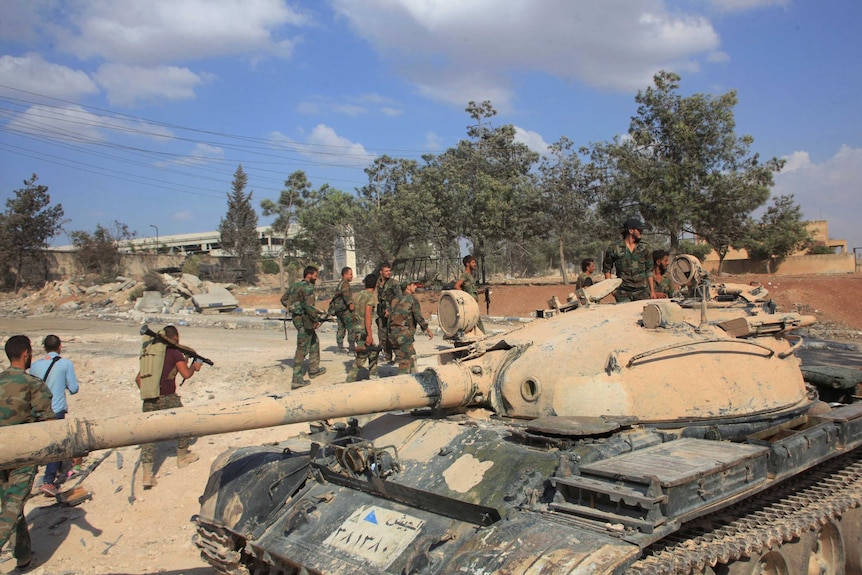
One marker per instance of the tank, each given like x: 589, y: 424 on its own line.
x: 666, y: 436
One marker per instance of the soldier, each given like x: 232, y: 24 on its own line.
x: 585, y: 278
x: 160, y: 363
x: 299, y: 300
x: 387, y: 290
x: 466, y: 282
x: 404, y: 316
x: 363, y: 333
x: 633, y: 262
x: 661, y: 279
x: 23, y: 399
x: 342, y: 307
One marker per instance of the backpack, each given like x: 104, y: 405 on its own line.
x: 337, y: 304
x: 152, y: 363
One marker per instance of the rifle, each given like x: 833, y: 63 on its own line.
x: 284, y: 320
x: 187, y: 351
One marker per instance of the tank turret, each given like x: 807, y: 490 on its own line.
x: 646, y: 437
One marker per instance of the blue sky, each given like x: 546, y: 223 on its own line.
x: 140, y: 110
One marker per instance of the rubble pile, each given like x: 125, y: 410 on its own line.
x: 123, y: 297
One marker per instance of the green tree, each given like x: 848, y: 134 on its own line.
x: 396, y: 208
x: 327, y: 217
x: 238, y: 228
x: 297, y: 190
x: 25, y: 229
x: 779, y: 233
x: 683, y: 168
x: 567, y: 195
x: 98, y: 253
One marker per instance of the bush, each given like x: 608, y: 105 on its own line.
x: 820, y: 250
x: 699, y: 251
x: 192, y: 265
x: 154, y: 282
x: 136, y: 293
x: 269, y: 266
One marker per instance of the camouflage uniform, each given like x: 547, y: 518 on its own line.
x: 340, y: 308
x: 387, y: 290
x: 468, y: 284
x: 358, y: 335
x: 148, y: 450
x: 403, y: 319
x: 299, y: 300
x: 584, y: 280
x: 23, y: 399
x: 633, y: 267
x: 664, y: 286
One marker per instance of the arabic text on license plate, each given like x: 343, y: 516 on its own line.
x: 376, y: 534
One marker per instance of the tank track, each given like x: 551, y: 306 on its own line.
x: 763, y: 522
x: 218, y: 548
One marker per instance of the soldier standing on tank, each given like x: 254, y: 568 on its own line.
x: 661, y: 279
x: 585, y: 278
x: 365, y: 303
x: 387, y: 290
x: 405, y: 315
x: 23, y: 399
x: 633, y: 262
x: 467, y: 282
x: 342, y: 307
x: 299, y: 300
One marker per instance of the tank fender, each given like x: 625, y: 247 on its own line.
x: 247, y: 485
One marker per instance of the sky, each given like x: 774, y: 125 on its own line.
x: 140, y: 111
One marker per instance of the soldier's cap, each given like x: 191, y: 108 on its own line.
x: 407, y: 281
x: 633, y: 224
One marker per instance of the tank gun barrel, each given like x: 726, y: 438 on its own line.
x: 442, y: 386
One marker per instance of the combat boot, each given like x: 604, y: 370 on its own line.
x: 186, y: 457
x: 313, y: 374
x: 297, y: 383
x: 149, y: 480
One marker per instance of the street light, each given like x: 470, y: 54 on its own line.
x: 157, y: 236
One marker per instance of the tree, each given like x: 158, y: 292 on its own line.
x: 99, y: 253
x: 395, y: 208
x: 327, y: 216
x: 779, y: 233
x: 564, y: 182
x: 297, y: 190
x: 25, y: 228
x: 238, y: 228
x: 683, y: 168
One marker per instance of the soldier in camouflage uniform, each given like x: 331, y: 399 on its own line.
x: 387, y: 290
x: 633, y: 262
x: 661, y: 279
x: 365, y: 305
x: 467, y: 282
x: 404, y: 316
x: 23, y: 399
x: 585, y: 278
x: 341, y: 306
x: 299, y: 300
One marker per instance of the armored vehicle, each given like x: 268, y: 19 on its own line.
x: 666, y: 436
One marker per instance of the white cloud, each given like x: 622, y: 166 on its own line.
x: 433, y: 142
x: 324, y: 145
x: 150, y: 32
x: 349, y: 106
x: 73, y: 123
x: 182, y: 216
x: 827, y: 191
x: 532, y: 140
x: 128, y: 85
x: 200, y: 154
x: 31, y: 73
x: 458, y: 51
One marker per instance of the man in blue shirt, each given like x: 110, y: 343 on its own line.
x: 58, y: 373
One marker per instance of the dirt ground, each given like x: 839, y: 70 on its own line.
x: 125, y: 530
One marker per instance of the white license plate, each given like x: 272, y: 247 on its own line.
x: 376, y: 534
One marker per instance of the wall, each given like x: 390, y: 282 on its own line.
x: 819, y: 264
x: 61, y: 264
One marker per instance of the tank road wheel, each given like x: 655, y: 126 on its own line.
x: 826, y: 552
x: 851, y: 529
x: 770, y: 563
